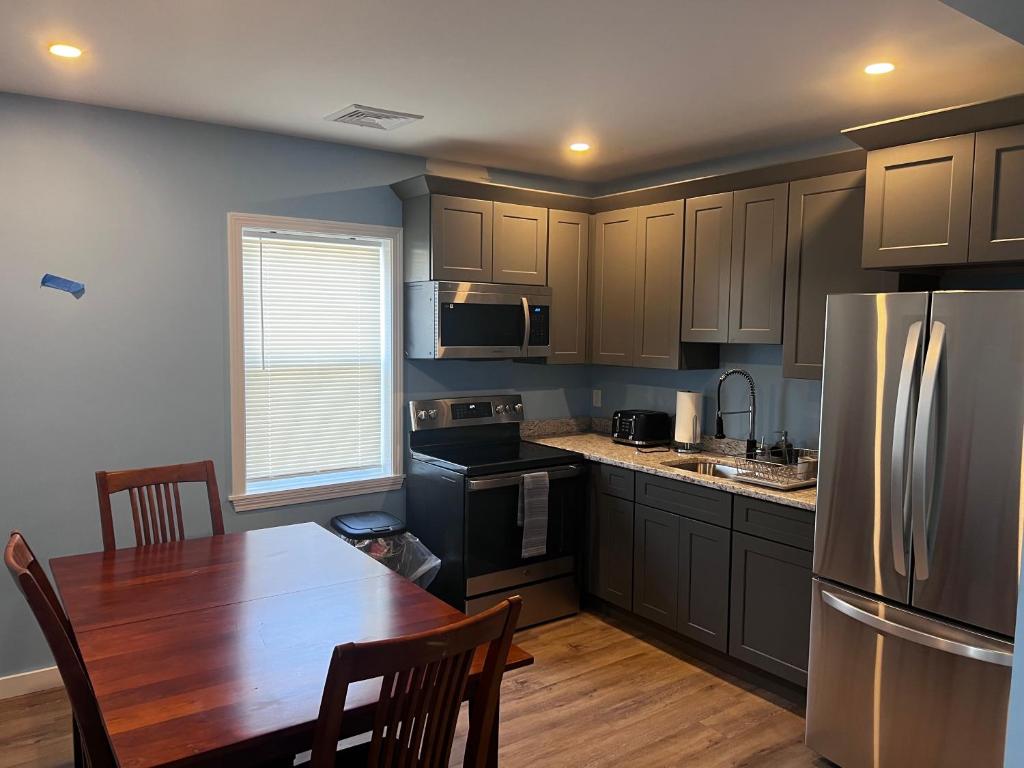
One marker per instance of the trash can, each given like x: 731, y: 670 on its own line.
x: 384, y: 538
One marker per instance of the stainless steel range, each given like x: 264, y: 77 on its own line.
x: 463, y: 500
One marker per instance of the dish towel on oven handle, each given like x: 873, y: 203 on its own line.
x: 533, y: 513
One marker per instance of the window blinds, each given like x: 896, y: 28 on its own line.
x: 315, y: 340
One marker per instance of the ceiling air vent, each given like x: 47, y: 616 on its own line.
x: 372, y: 117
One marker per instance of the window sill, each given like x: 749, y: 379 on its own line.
x: 247, y: 502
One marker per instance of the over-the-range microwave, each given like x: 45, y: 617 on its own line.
x: 447, y: 319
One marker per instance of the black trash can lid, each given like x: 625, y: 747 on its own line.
x: 367, y: 525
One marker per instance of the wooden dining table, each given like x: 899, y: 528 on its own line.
x: 214, y: 651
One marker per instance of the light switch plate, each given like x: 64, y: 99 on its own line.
x: 596, y: 397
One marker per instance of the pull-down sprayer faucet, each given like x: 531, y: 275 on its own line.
x: 751, y: 410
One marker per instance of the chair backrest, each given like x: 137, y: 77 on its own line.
x: 38, y: 592
x: 156, y: 501
x: 423, y: 682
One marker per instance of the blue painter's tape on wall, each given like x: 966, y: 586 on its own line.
x: 73, y: 287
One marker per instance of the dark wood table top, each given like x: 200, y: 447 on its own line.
x: 210, y: 649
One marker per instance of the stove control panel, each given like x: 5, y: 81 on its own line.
x: 465, y: 411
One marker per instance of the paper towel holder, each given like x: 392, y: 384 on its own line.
x: 687, y: 436
x: 689, y: 447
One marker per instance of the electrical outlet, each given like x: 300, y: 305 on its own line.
x: 596, y: 397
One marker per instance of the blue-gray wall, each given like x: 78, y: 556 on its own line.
x: 136, y: 373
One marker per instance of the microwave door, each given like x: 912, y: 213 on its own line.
x: 480, y: 325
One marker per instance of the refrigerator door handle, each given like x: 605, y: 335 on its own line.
x: 892, y: 628
x: 898, y: 471
x: 922, y: 482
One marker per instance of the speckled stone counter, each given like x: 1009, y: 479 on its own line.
x: 600, y: 448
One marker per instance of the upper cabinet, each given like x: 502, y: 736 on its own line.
x: 918, y: 204
x: 478, y: 241
x: 520, y: 244
x: 568, y: 260
x: 636, y: 271
x: 957, y: 200
x: 613, y: 287
x: 734, y: 266
x: 659, y: 272
x: 706, y: 268
x: 826, y: 217
x: 997, y: 208
x: 461, y: 245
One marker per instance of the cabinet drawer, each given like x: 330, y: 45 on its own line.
x: 776, y: 522
x: 615, y: 481
x: 693, y: 501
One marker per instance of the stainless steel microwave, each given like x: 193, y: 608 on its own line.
x: 476, y: 320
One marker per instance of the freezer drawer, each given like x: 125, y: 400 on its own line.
x: 889, y: 688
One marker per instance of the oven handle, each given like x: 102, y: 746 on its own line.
x: 502, y: 481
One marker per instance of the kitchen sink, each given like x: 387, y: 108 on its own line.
x: 702, y: 467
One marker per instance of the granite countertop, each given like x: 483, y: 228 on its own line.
x: 600, y: 448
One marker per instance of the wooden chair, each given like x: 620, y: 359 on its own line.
x: 422, y: 687
x: 155, y: 500
x: 89, y: 733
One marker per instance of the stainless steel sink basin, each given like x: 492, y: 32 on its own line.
x: 700, y: 467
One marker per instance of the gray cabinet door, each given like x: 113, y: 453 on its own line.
x: 997, y: 207
x: 771, y: 606
x: 461, y: 239
x: 656, y: 565
x: 659, y: 274
x: 568, y: 257
x: 704, y: 583
x: 823, y: 253
x: 918, y: 203
x: 706, y: 268
x: 520, y: 244
x: 758, y: 264
x: 613, y: 574
x: 613, y: 287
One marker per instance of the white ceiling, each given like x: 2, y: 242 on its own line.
x: 650, y: 83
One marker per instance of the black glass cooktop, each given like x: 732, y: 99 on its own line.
x: 476, y: 459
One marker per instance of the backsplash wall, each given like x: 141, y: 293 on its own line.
x: 791, y: 404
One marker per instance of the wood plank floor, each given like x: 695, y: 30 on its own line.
x: 597, y: 696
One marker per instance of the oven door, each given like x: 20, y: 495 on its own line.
x: 494, y: 539
x: 483, y: 320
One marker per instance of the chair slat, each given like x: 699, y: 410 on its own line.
x: 157, y: 514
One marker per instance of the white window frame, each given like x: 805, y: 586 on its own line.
x: 392, y: 271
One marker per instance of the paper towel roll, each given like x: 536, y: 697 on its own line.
x: 688, y: 411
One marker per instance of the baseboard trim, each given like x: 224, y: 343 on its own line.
x: 29, y: 682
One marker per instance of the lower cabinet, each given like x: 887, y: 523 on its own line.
x: 704, y: 583
x: 771, y: 606
x: 656, y: 565
x: 612, y: 576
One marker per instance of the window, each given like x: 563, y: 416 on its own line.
x: 315, y: 365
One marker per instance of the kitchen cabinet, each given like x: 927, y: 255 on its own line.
x: 823, y: 256
x: 688, y: 499
x: 520, y: 245
x: 758, y: 269
x: 997, y: 203
x: 706, y: 268
x: 656, y: 565
x: 568, y: 264
x: 703, y: 592
x: 612, y: 529
x: 770, y: 610
x: 917, y: 208
x: 461, y: 239
x: 659, y: 268
x: 613, y: 287
x: 734, y: 266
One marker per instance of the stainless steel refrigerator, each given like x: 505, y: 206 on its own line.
x: 918, y: 532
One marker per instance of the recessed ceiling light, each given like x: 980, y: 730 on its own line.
x: 579, y: 146
x: 65, y: 51
x: 879, y: 68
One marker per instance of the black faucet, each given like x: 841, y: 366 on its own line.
x: 751, y: 410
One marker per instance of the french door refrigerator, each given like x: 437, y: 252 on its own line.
x: 918, y: 529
